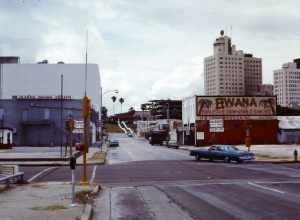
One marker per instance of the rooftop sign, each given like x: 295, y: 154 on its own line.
x: 31, y: 97
x: 236, y: 106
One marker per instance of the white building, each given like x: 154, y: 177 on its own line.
x: 45, y: 80
x: 287, y: 84
x: 231, y: 72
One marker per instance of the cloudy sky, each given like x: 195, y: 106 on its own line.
x: 149, y: 48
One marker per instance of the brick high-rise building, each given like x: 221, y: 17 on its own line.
x: 231, y: 72
x: 287, y: 84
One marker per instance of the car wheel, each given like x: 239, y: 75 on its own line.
x: 227, y: 159
x: 211, y: 159
x: 198, y: 158
x: 238, y: 160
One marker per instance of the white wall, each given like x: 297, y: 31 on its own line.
x: 189, y: 110
x: 44, y: 79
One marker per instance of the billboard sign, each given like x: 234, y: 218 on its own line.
x: 39, y: 97
x: 236, y: 106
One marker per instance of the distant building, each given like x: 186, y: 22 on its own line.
x: 266, y: 90
x: 231, y: 72
x: 287, y: 84
x: 131, y: 116
x: 164, y: 109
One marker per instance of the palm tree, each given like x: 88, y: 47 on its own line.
x: 114, y: 98
x: 121, y: 100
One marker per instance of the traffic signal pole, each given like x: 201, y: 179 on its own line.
x: 85, y: 114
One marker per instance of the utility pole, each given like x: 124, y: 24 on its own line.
x: 85, y: 114
x: 61, y: 113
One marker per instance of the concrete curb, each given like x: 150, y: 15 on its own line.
x: 87, y: 212
x: 46, y: 164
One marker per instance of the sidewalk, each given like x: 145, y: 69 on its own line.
x: 47, y: 156
x: 274, y: 153
x: 47, y: 201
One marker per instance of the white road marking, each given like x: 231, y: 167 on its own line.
x: 93, y: 174
x: 190, y: 183
x: 278, y: 182
x: 265, y: 187
x: 41, y: 173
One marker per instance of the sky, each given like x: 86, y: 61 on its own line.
x: 148, y: 49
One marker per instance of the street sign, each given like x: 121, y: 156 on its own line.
x: 216, y: 123
x: 200, y: 135
x: 221, y: 129
x: 78, y: 124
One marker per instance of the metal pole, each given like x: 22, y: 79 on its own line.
x: 85, y: 142
x: 61, y: 113
x: 2, y: 120
x: 86, y: 58
x: 1, y: 80
x: 73, y: 186
x: 85, y: 111
x: 71, y: 143
x: 101, y: 127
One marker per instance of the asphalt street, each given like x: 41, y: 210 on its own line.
x: 141, y: 181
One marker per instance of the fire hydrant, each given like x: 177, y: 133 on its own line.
x: 295, y: 155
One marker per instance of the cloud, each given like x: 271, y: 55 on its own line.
x: 149, y: 49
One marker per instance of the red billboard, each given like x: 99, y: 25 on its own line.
x: 236, y: 106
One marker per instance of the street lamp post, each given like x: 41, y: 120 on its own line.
x: 102, y: 94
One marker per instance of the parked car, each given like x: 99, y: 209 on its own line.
x: 113, y: 143
x: 227, y: 153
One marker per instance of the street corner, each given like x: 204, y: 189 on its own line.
x: 98, y: 157
x: 95, y: 156
x: 45, y: 200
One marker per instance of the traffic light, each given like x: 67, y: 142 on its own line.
x: 72, y: 163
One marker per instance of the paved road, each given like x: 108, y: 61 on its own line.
x: 153, y: 182
x: 138, y: 149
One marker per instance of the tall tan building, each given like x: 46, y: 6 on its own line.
x: 230, y: 71
x: 287, y: 84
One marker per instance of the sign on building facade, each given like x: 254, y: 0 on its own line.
x: 235, y: 107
